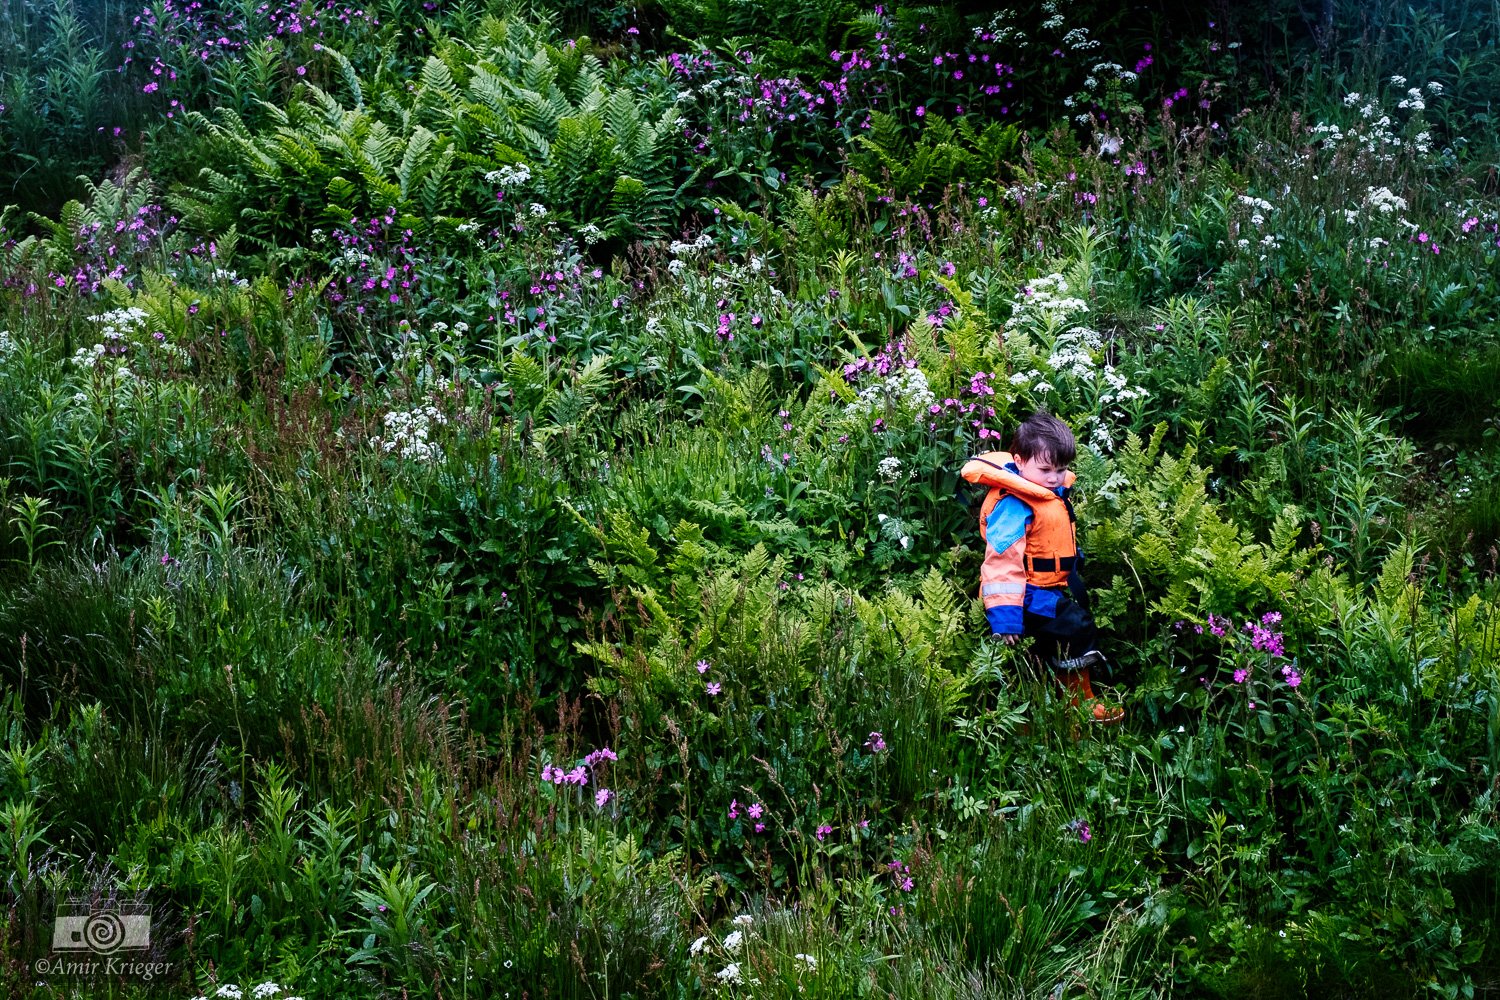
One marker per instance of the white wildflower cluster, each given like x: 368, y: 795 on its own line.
x: 1078, y: 38
x: 1376, y: 133
x: 1100, y: 439
x: 807, y: 960
x: 1075, y: 364
x: 350, y: 259
x: 731, y: 274
x: 1380, y: 205
x: 1002, y: 28
x: 406, y: 434
x: 434, y: 358
x: 176, y: 352
x: 7, y: 345
x: 120, y: 324
x: 1073, y: 352
x: 89, y: 358
x: 537, y: 209
x: 890, y: 468
x: 1259, y: 207
x: 1033, y: 378
x: 905, y: 389
x: 1413, y: 101
x: 730, y: 974
x: 681, y: 249
x: 1109, y: 71
x: 734, y: 942
x: 509, y: 176
x: 230, y: 278
x: 265, y: 991
x: 1021, y: 193
x: 590, y: 234
x: 117, y: 327
x: 1044, y: 302
x: 1384, y: 200
x: 1377, y: 138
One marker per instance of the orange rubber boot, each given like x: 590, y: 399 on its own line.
x: 1081, y: 691
x: 1076, y: 682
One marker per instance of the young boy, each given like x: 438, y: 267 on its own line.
x: 1029, y: 581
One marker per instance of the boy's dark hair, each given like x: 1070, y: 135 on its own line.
x: 1043, y: 435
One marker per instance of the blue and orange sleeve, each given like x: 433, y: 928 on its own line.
x: 1004, y: 587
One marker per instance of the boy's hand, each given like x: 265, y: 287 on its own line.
x: 1011, y: 640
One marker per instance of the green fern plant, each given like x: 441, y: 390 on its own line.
x: 1173, y: 551
x: 424, y: 151
x: 944, y: 153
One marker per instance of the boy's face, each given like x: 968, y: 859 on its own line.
x: 1042, y: 470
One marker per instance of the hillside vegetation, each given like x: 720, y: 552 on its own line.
x: 480, y: 514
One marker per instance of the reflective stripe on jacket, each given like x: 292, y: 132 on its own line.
x: 1030, y: 544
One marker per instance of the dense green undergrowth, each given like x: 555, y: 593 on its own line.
x: 481, y: 514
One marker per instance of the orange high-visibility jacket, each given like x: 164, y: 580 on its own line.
x: 1026, y: 558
